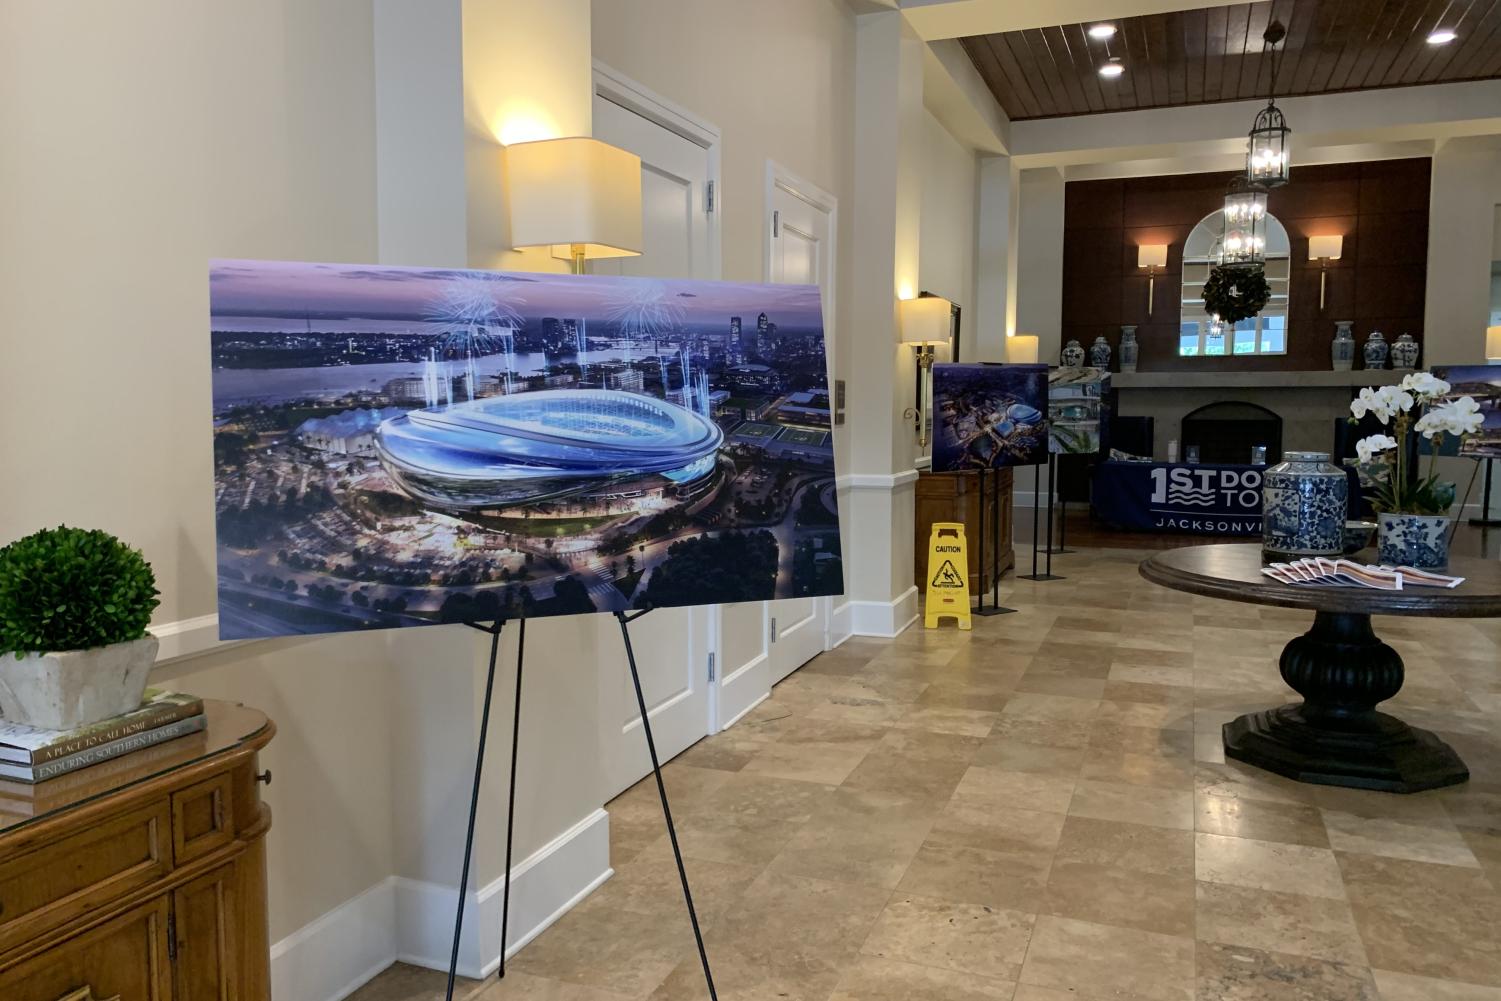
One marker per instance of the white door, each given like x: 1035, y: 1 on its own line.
x: 801, y: 252
x: 672, y: 646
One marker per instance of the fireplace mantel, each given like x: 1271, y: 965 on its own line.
x: 1254, y: 380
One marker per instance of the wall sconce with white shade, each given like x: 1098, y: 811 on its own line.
x: 1022, y: 349
x: 578, y: 196
x: 925, y: 321
x: 1151, y: 256
x: 1324, y: 249
x: 1493, y: 345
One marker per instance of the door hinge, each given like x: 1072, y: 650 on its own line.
x: 709, y: 197
x: 172, y: 938
x: 711, y: 667
x: 776, y: 222
x: 773, y: 630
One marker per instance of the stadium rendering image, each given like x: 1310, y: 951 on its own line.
x: 407, y: 446
x: 539, y: 446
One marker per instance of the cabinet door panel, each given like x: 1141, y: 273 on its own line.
x: 126, y: 957
x: 204, y: 918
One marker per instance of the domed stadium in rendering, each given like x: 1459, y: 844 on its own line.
x: 506, y: 450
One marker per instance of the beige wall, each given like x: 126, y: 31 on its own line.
x: 139, y: 141
x: 950, y: 209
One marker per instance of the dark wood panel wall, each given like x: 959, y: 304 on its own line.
x: 1379, y: 207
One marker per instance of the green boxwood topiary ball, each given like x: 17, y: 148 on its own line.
x: 71, y: 589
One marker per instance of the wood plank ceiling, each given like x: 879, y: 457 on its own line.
x: 1203, y: 56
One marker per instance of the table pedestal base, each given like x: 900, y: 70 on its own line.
x: 1336, y: 736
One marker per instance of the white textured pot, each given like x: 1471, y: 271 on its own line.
x: 73, y: 688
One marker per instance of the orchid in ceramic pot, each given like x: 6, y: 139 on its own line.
x: 1412, y: 508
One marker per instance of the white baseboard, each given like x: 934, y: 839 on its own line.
x: 548, y: 883
x: 884, y: 618
x: 840, y: 627
x: 411, y: 920
x: 329, y: 958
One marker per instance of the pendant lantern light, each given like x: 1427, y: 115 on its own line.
x: 1267, y: 160
x: 1244, y: 242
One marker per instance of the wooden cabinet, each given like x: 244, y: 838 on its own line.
x: 143, y: 878
x: 956, y: 497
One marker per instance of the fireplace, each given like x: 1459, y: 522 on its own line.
x: 1226, y: 432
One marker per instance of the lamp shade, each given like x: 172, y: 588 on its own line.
x: 1021, y: 349
x: 574, y: 192
x: 1493, y: 343
x: 1325, y: 247
x: 926, y: 319
x: 1151, y: 255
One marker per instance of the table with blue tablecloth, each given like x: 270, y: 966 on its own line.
x: 1197, y: 498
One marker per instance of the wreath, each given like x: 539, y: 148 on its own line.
x: 1235, y: 294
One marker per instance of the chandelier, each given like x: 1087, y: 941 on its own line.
x: 1267, y: 162
x: 1244, y: 242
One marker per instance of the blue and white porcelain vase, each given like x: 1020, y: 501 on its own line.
x: 1073, y: 355
x: 1342, y: 350
x: 1405, y: 353
x: 1375, y: 350
x: 1303, y: 507
x: 1099, y: 353
x: 1413, y: 540
x: 1128, y: 348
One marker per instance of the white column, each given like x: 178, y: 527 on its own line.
x: 884, y: 258
x: 1465, y: 190
x: 995, y: 267
x: 1037, y: 256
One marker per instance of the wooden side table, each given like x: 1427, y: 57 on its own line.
x: 143, y: 877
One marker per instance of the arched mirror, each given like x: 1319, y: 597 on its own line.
x: 1264, y: 334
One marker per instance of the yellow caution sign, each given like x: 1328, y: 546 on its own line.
x: 948, y: 575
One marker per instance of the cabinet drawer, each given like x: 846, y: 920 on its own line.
x: 125, y: 958
x: 202, y: 818
x: 77, y: 874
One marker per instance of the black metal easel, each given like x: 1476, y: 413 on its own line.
x: 996, y: 608
x: 1037, y: 489
x: 1485, y: 520
x: 1062, y: 517
x: 494, y: 629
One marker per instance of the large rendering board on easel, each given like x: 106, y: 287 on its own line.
x: 408, y: 446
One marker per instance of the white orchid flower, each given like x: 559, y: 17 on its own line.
x: 1425, y: 384
x: 1465, y: 405
x: 1395, y: 399
x: 1438, y: 420
x: 1366, y: 447
x: 1364, y: 403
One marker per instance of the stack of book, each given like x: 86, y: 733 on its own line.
x: 28, y: 754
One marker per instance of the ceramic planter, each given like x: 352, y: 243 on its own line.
x: 73, y: 688
x: 1413, y: 540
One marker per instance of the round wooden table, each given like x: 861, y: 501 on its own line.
x: 1335, y: 736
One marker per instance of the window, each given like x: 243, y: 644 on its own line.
x: 1264, y: 334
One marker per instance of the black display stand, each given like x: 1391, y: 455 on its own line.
x: 995, y: 607
x: 1062, y: 548
x: 1485, y: 520
x: 494, y: 629
x: 1047, y: 574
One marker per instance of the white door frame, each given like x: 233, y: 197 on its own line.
x: 779, y: 176
x: 617, y: 88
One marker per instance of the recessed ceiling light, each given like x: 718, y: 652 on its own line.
x: 1442, y: 36
x: 1113, y: 68
x: 1102, y: 31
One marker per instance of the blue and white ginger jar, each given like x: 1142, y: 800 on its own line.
x: 1304, y: 501
x: 1413, y: 540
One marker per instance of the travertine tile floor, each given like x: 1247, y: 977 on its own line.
x: 1040, y: 810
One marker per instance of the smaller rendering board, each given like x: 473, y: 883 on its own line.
x: 988, y: 416
x: 1077, y: 410
x: 1483, y: 383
